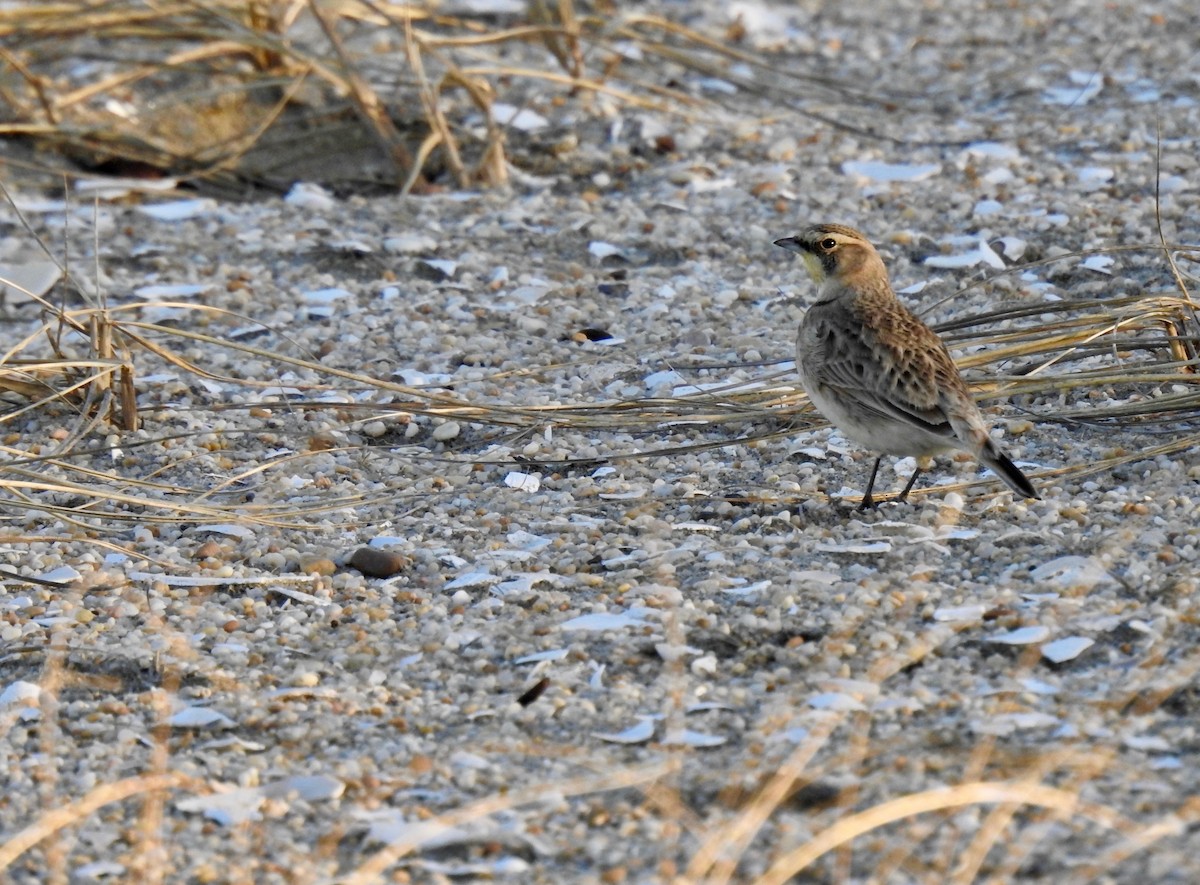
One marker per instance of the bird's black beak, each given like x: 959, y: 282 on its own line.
x: 792, y: 244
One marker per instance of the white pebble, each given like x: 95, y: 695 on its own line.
x: 447, y: 431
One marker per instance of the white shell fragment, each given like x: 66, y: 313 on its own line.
x: 960, y: 613
x: 443, y: 266
x: 325, y: 296
x: 178, y: 210
x: 1075, y: 573
x: 310, y: 196
x: 1008, y: 723
x: 527, y: 541
x: 393, y: 826
x: 227, y: 528
x: 117, y: 187
x: 836, y: 701
x: 603, y: 250
x: 994, y: 150
x: 199, y: 717
x: 98, y: 871
x: 1150, y: 743
x: 64, y: 574
x: 523, y: 296
x: 685, y: 737
x: 1095, y: 176
x: 1085, y: 85
x: 525, y: 482
x: 410, y: 244
x: 309, y: 787
x: 1066, y: 649
x: 20, y: 282
x: 715, y: 84
x: 857, y: 547
x: 1021, y: 636
x: 635, y: 734
x: 242, y: 804
x: 665, y: 378
x: 872, y: 170
x: 518, y: 118
x: 172, y: 290
x: 472, y: 579
x: 554, y: 654
x: 981, y: 254
x: 522, y: 583
x: 1012, y: 248
x: 1099, y: 263
x: 740, y: 588
x: 635, y: 617
x: 20, y: 694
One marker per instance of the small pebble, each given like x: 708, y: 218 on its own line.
x: 375, y: 563
x: 447, y: 431
x: 322, y: 566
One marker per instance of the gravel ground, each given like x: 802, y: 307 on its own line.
x: 612, y: 628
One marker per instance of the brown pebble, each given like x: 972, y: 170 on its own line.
x: 318, y: 565
x: 322, y: 441
x: 209, y: 550
x: 375, y: 563
x: 230, y: 626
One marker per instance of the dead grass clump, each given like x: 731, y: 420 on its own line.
x: 359, y: 95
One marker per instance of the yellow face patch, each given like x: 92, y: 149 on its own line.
x: 813, y: 265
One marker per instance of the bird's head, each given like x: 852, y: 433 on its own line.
x: 834, y: 252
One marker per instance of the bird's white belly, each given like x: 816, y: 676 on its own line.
x: 879, y: 434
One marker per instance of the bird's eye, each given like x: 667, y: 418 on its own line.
x: 828, y: 244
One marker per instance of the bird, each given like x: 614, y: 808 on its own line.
x: 879, y: 373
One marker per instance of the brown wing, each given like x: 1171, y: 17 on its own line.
x: 899, y: 373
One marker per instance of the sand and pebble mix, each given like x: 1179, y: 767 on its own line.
x: 385, y: 614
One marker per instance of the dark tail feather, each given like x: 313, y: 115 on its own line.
x: 1007, y: 471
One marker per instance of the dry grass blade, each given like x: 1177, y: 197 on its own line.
x: 1086, y: 767
x: 60, y: 818
x: 189, y: 56
x: 366, y: 100
x: 378, y: 864
x: 1098, y: 346
x: 850, y: 827
x: 1140, y: 840
x: 226, y: 119
x: 440, y: 130
x: 716, y: 860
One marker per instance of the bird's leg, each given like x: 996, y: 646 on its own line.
x: 868, y: 502
x: 903, y: 496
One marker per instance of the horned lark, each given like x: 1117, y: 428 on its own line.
x: 876, y: 371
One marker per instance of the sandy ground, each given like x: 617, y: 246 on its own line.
x: 612, y: 623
